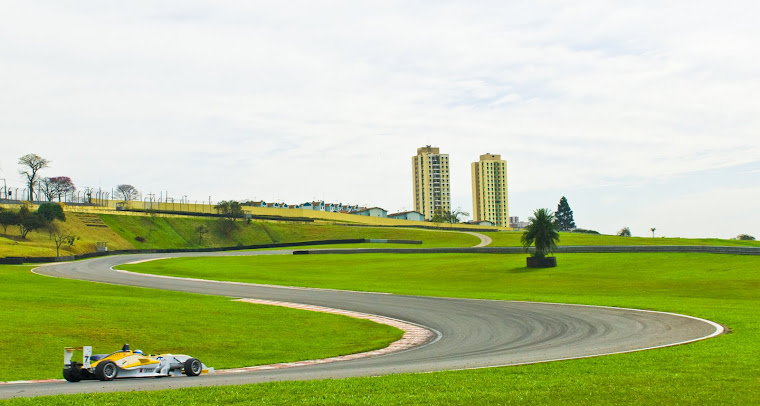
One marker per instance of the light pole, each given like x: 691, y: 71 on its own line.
x: 149, y: 197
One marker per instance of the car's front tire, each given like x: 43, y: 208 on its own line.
x: 193, y: 367
x: 106, y: 371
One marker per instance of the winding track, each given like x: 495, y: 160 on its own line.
x: 468, y: 333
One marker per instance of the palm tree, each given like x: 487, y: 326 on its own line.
x: 653, y: 229
x: 543, y: 232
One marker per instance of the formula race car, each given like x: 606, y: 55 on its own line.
x: 128, y: 364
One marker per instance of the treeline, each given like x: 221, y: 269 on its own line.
x: 48, y: 216
x: 59, y: 187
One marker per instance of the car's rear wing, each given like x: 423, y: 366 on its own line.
x: 68, y: 353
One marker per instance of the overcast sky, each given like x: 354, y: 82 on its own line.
x: 642, y: 115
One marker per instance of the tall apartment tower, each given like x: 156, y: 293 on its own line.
x: 489, y: 190
x: 430, y: 169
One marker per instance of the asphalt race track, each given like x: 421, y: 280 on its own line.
x: 468, y: 333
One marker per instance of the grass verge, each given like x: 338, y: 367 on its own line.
x: 722, y: 288
x: 512, y: 239
x: 41, y: 315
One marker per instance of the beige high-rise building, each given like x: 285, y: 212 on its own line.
x: 430, y: 170
x: 489, y: 190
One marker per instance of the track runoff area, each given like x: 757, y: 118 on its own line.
x: 459, y: 333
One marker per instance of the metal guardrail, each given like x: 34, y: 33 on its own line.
x: 596, y: 249
x: 39, y: 260
x: 600, y: 249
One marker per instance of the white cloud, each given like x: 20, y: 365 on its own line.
x: 330, y: 100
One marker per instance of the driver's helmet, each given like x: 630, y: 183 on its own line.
x: 138, y: 352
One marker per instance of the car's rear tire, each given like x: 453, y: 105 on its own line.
x: 106, y: 371
x: 72, y: 375
x: 193, y: 367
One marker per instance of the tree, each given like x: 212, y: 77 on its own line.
x: 230, y: 212
x: 46, y: 188
x: 451, y: 217
x: 542, y: 230
x: 653, y: 229
x: 56, y: 187
x: 7, y: 218
x: 745, y: 237
x: 624, y: 232
x: 28, y: 221
x: 564, y: 216
x: 32, y: 163
x: 51, y: 211
x: 201, y: 229
x: 60, y: 236
x: 126, y: 192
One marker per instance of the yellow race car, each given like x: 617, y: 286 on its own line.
x: 128, y: 364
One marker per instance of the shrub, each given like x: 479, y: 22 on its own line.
x: 584, y: 231
x: 51, y: 211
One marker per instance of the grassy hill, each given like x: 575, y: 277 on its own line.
x: 121, y: 231
x: 89, y: 229
x: 161, y: 232
x: 151, y: 232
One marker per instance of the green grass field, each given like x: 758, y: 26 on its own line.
x: 722, y: 288
x: 486, y: 276
x: 512, y: 239
x: 41, y: 315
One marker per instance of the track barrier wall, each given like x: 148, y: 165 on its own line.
x: 39, y: 260
x: 610, y: 249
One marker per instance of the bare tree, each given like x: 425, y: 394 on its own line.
x: 32, y: 163
x: 46, y: 188
x: 60, y: 236
x: 57, y: 186
x: 126, y: 192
